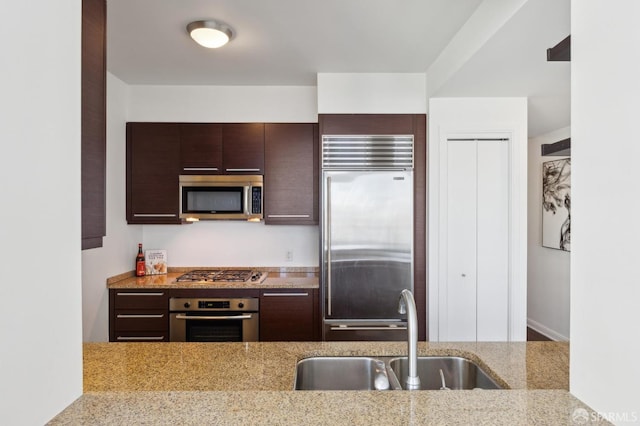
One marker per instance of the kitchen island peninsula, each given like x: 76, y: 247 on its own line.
x: 252, y: 382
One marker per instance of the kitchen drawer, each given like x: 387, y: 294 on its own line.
x: 289, y: 315
x: 141, y: 336
x: 141, y: 320
x: 132, y: 299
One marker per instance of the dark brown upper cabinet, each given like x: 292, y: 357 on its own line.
x: 200, y: 148
x: 222, y: 148
x: 153, y: 167
x: 243, y: 148
x: 291, y: 174
x: 93, y: 123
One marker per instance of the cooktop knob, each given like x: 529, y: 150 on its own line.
x: 240, y: 305
x: 187, y: 304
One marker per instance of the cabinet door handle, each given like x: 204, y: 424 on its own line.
x: 140, y: 294
x: 155, y: 215
x: 289, y: 216
x: 140, y: 338
x: 327, y: 238
x: 140, y: 316
x: 242, y: 170
x: 204, y: 169
x: 285, y: 294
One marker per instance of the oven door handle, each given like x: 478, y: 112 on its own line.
x: 208, y: 318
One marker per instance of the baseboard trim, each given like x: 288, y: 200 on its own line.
x: 551, y: 334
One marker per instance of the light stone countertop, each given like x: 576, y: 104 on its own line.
x: 251, y: 383
x: 293, y: 277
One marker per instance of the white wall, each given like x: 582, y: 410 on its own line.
x: 480, y: 117
x: 548, y: 269
x: 40, y: 334
x: 206, y: 104
x: 372, y: 93
x: 120, y: 244
x: 605, y: 286
x: 234, y: 243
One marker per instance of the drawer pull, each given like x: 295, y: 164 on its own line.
x: 289, y: 216
x: 204, y: 169
x: 366, y: 328
x: 155, y: 215
x: 140, y: 316
x: 140, y: 338
x: 140, y: 294
x: 242, y: 170
x: 285, y: 294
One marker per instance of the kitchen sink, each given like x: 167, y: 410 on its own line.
x: 341, y: 373
x: 444, y: 373
x: 384, y: 373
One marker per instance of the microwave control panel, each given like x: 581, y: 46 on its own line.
x: 256, y: 200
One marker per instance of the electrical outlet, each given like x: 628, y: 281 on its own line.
x: 289, y: 255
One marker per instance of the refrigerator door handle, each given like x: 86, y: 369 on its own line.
x: 328, y: 242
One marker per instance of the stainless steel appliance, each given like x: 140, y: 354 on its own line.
x: 213, y: 320
x: 220, y: 197
x: 367, y: 235
x: 218, y: 275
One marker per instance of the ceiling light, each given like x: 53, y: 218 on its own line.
x: 211, y: 34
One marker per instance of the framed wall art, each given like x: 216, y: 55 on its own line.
x: 556, y: 204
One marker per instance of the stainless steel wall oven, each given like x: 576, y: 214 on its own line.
x: 214, y: 319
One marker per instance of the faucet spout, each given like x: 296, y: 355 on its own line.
x: 407, y: 304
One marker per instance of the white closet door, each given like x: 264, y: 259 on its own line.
x: 461, y: 241
x: 493, y: 241
x: 476, y: 222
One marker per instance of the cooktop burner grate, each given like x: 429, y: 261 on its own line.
x: 229, y: 275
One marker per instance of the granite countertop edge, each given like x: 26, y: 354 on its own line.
x: 277, y: 277
x: 548, y: 407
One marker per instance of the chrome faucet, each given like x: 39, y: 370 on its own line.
x: 407, y: 305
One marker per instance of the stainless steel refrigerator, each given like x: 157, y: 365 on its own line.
x: 367, y: 235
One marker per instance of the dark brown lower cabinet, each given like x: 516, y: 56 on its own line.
x: 138, y: 316
x: 143, y: 315
x: 289, y: 315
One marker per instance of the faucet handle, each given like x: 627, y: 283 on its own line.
x: 381, y: 381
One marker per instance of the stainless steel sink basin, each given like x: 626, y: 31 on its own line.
x: 382, y: 373
x: 457, y: 373
x: 341, y: 373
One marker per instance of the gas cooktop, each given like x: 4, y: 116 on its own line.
x: 220, y: 275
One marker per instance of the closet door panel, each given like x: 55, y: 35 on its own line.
x: 492, y: 240
x: 461, y: 241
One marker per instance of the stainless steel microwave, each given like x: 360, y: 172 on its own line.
x: 221, y: 197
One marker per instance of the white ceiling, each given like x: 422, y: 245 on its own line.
x: 514, y: 63
x: 287, y: 42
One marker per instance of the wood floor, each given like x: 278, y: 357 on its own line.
x: 534, y: 336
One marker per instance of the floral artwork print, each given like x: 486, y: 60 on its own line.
x: 556, y: 204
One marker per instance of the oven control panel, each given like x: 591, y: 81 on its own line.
x: 181, y: 304
x: 214, y: 304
